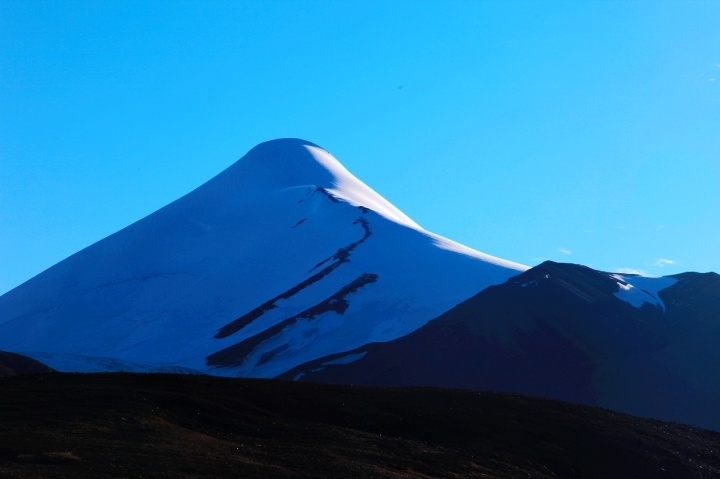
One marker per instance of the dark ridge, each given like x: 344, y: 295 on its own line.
x: 330, y: 196
x: 337, y: 301
x: 315, y: 366
x: 321, y: 263
x: 586, y: 283
x: 695, y: 295
x: 12, y: 364
x: 175, y: 426
x: 299, y: 223
x: 235, y: 354
x: 342, y: 256
x: 244, y: 320
x: 343, y: 253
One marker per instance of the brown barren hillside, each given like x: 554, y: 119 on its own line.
x: 178, y: 426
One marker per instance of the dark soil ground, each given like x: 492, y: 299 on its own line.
x: 175, y: 426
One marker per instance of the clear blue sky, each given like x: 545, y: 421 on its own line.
x: 586, y: 132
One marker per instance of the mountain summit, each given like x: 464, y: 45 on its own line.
x: 283, y: 258
x: 290, y: 162
x: 293, y: 163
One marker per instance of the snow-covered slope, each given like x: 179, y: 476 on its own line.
x: 283, y: 258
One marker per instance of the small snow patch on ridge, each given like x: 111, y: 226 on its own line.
x: 637, y: 290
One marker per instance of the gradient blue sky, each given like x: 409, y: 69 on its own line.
x: 586, y: 132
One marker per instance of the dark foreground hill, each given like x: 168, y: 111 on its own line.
x: 12, y: 364
x: 150, y: 425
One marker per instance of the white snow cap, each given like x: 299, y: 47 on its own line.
x: 291, y: 162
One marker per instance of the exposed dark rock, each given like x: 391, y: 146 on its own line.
x: 337, y: 302
x: 342, y: 256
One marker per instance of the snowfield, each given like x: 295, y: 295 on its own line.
x: 282, y: 258
x: 638, y: 290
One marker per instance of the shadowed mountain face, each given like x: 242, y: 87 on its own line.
x: 12, y: 364
x: 150, y: 425
x: 566, y: 332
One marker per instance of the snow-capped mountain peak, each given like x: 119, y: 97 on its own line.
x: 286, y: 265
x: 291, y: 162
x: 282, y: 258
